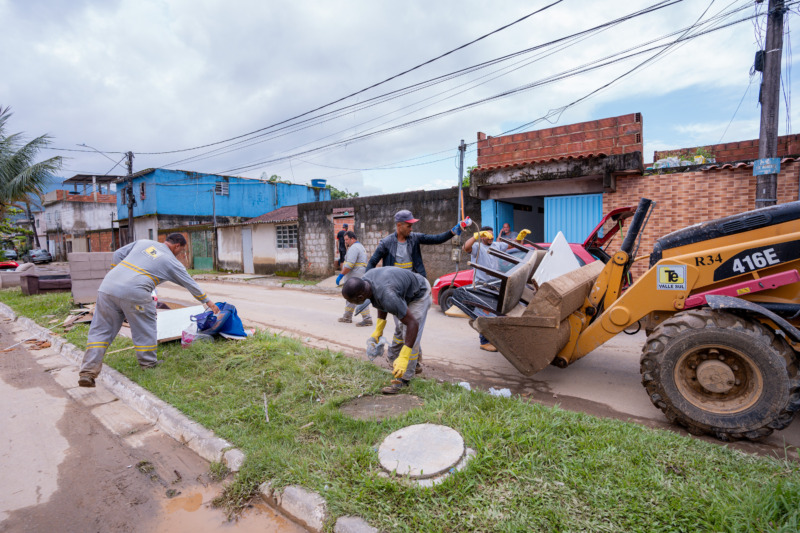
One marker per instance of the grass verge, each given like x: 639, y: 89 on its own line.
x: 536, y: 468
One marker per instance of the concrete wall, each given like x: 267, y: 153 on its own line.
x: 229, y: 248
x: 374, y: 219
x: 267, y: 258
x: 686, y: 198
x: 78, y: 217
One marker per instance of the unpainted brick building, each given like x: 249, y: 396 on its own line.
x: 572, y: 174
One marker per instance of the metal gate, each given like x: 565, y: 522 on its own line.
x: 574, y: 216
x: 202, y: 250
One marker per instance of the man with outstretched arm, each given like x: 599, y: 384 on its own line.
x: 402, y: 249
x: 126, y: 294
x: 406, y: 296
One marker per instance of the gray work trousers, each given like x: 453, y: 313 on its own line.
x: 109, y: 313
x: 419, y: 310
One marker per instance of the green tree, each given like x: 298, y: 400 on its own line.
x: 20, y: 174
x: 338, y: 193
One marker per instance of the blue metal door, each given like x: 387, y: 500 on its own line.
x: 495, y: 213
x: 574, y: 216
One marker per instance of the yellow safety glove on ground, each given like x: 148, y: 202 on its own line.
x: 379, y: 330
x: 401, y: 363
x: 522, y: 234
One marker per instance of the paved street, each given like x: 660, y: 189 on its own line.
x: 604, y: 383
x: 78, y: 460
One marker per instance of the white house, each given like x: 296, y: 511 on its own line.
x: 266, y: 244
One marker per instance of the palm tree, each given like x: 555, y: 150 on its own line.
x: 19, y: 174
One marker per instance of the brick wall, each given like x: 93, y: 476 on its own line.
x: 65, y: 195
x: 610, y: 136
x: 374, y: 219
x: 101, y: 241
x: 686, y: 198
x: 738, y: 151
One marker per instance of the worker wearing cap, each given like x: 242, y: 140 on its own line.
x: 126, y: 294
x: 402, y: 249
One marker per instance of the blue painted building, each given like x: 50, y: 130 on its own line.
x: 194, y: 203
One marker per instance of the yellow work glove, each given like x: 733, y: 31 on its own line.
x: 482, y: 235
x: 522, y: 234
x: 378, y: 330
x: 401, y: 363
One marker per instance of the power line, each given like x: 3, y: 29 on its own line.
x: 371, y: 102
x: 482, y: 37
x: 608, y: 60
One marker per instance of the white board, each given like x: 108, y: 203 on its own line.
x: 171, y: 322
x: 558, y: 261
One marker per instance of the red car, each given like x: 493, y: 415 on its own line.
x: 591, y: 250
x: 8, y: 265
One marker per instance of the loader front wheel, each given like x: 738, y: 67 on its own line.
x: 719, y: 374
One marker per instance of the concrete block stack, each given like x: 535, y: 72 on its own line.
x: 87, y: 270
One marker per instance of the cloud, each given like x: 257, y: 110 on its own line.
x: 159, y: 76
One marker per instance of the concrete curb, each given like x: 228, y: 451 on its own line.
x: 309, y: 509
x: 306, y: 507
x: 167, y: 418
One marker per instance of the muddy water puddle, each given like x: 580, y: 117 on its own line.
x: 191, y: 512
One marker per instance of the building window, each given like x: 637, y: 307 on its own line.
x: 142, y: 191
x: 150, y: 234
x: 287, y: 236
x: 221, y: 188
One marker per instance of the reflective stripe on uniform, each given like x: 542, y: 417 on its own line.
x: 404, y: 265
x: 140, y: 271
x: 145, y: 348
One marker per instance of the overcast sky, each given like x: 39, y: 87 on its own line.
x: 164, y: 76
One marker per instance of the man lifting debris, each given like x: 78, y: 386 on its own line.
x: 126, y: 294
x: 406, y: 296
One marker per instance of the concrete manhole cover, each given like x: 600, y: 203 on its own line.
x: 421, y: 451
x: 380, y: 407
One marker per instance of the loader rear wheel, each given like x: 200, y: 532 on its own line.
x: 719, y: 374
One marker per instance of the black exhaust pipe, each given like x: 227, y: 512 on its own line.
x: 636, y: 225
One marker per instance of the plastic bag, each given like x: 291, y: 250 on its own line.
x: 190, y: 335
x: 375, y: 349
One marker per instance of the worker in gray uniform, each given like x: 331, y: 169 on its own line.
x: 126, y: 294
x: 354, y: 266
x: 406, y: 296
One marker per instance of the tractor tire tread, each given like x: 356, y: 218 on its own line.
x: 702, y: 318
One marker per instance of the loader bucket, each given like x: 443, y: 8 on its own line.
x: 531, y: 337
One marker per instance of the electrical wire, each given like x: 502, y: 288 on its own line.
x: 608, y: 60
x: 371, y: 102
x: 482, y: 37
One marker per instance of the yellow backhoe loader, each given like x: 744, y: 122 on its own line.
x: 720, y: 304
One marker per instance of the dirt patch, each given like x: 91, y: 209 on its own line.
x: 380, y: 407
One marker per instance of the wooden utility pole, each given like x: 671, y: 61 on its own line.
x: 767, y: 184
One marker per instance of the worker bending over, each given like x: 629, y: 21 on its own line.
x: 406, y: 296
x: 126, y: 294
